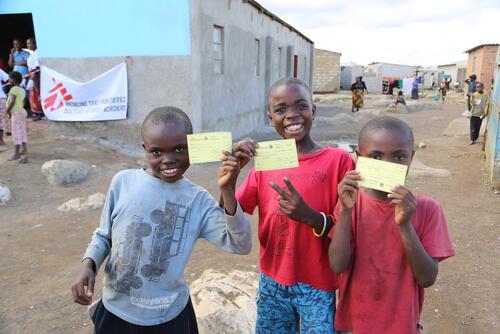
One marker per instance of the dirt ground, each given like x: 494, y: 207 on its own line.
x: 41, y: 247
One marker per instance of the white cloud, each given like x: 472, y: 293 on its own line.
x: 420, y: 32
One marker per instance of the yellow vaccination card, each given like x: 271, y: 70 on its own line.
x: 208, y: 147
x: 380, y: 175
x: 276, y: 154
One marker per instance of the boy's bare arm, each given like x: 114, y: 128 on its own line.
x: 244, y: 151
x: 339, y: 252
x: 9, y: 107
x: 294, y: 207
x: 228, y: 173
x: 423, y: 266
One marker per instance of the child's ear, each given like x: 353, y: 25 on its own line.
x: 314, y: 110
x: 271, y: 122
x: 144, y: 147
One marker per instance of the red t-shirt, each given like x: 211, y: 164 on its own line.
x: 289, y: 252
x: 379, y: 293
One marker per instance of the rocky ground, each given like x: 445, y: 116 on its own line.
x: 41, y: 246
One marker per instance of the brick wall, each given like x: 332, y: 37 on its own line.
x: 326, y: 74
x: 484, y: 64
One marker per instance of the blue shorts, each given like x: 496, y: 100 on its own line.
x: 283, y: 309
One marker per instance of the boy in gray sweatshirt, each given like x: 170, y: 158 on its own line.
x: 148, y: 228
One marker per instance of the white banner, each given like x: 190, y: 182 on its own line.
x: 100, y: 99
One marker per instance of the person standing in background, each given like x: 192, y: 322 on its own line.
x: 33, y: 86
x: 471, y: 89
x: 18, y: 58
x: 358, y: 88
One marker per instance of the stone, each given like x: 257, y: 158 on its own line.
x: 5, y: 194
x: 65, y: 172
x: 400, y: 109
x: 422, y: 145
x: 225, y: 303
x: 93, y: 202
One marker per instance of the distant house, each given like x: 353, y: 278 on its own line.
x: 348, y: 73
x: 214, y: 59
x: 482, y: 62
x: 457, y: 71
x: 430, y: 75
x: 376, y: 73
x: 326, y: 74
x: 492, y: 147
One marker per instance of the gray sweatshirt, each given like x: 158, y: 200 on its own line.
x: 148, y: 229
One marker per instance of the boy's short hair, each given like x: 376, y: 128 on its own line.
x: 480, y: 83
x: 288, y: 82
x: 167, y: 115
x: 386, y: 123
x: 16, y: 76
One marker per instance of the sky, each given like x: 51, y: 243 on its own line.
x: 413, y: 32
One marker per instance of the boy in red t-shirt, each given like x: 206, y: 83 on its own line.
x: 387, y: 245
x: 296, y: 285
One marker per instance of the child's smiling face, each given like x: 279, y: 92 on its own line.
x: 291, y: 111
x: 479, y: 87
x: 166, y: 151
x: 389, y: 145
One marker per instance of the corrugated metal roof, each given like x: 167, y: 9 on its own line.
x: 480, y: 46
x: 276, y: 18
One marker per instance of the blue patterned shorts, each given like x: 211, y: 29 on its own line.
x: 283, y: 309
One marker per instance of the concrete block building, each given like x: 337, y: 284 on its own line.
x: 481, y: 62
x: 215, y: 59
x: 326, y: 75
x: 375, y: 73
x: 492, y: 147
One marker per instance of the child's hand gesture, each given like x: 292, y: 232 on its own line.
x: 291, y: 202
x: 86, y: 278
x: 245, y: 150
x: 348, y: 189
x: 228, y: 171
x: 406, y: 204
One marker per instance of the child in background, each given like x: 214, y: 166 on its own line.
x: 17, y: 114
x: 148, y: 229
x: 400, y: 99
x: 479, y: 103
x: 386, y: 245
x: 3, y: 119
x: 442, y: 90
x: 296, y: 286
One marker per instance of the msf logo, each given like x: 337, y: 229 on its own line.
x: 59, y: 94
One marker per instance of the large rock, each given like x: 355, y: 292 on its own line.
x: 5, y: 194
x: 93, y: 202
x: 400, y: 108
x: 65, y: 172
x: 225, y: 303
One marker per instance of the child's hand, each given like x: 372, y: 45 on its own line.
x: 245, y: 150
x: 86, y: 278
x: 228, y: 171
x: 348, y: 189
x: 406, y: 204
x: 291, y: 202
